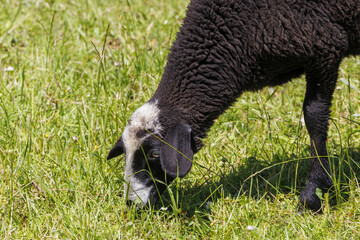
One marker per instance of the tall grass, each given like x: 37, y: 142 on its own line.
x: 72, y: 72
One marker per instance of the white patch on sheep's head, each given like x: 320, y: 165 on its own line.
x: 152, y: 162
x: 143, y: 122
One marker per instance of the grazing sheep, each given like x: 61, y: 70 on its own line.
x: 226, y: 47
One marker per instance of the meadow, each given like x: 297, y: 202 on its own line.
x: 71, y: 74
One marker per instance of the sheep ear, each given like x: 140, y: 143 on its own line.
x: 176, y: 154
x: 117, y: 150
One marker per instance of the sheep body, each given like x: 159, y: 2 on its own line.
x: 226, y: 47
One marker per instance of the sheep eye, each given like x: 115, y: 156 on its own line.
x: 154, y: 154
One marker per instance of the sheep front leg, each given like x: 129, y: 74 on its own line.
x: 319, y: 90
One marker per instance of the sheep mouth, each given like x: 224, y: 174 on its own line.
x: 145, y: 195
x: 137, y: 197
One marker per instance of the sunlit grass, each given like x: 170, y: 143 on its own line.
x: 64, y: 100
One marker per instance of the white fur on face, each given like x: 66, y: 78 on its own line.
x: 144, y: 118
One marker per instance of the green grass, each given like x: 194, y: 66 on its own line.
x: 68, y: 99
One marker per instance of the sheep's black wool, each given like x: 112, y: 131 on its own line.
x: 226, y: 47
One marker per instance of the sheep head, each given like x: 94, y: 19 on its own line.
x: 151, y: 161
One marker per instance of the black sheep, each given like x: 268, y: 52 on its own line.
x: 226, y: 47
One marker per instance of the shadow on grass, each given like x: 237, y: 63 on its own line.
x: 255, y: 178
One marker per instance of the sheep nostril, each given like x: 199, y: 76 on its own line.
x: 129, y: 203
